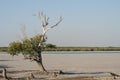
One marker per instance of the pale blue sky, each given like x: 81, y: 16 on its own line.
x: 85, y: 22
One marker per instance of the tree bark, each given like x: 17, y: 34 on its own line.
x: 4, y: 73
x: 39, y: 60
x: 40, y: 66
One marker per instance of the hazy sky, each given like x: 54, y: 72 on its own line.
x: 85, y: 22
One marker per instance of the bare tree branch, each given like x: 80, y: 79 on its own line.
x: 44, y: 23
x: 60, y: 19
x: 23, y: 32
x: 30, y: 58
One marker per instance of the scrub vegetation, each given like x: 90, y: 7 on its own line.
x: 51, y: 47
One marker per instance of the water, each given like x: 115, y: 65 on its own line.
x: 81, y: 52
x: 77, y: 52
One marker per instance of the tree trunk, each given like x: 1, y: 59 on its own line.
x: 4, y: 73
x: 40, y: 66
x: 39, y: 60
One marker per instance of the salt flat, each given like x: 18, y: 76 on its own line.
x: 66, y: 62
x: 75, y: 63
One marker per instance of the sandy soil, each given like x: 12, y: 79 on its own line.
x: 79, y: 64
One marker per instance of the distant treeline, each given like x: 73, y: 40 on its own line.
x: 83, y: 49
x: 4, y: 49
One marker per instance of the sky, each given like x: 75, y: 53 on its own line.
x: 85, y: 22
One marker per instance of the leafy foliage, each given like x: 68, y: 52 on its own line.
x: 15, y: 48
x: 28, y: 47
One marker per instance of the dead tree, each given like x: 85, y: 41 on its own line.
x: 4, y: 74
x: 114, y: 75
x: 44, y: 22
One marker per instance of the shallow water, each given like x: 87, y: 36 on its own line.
x: 77, y: 52
x: 81, y: 52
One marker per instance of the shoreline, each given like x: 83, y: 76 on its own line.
x: 4, y: 49
x: 84, y: 64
